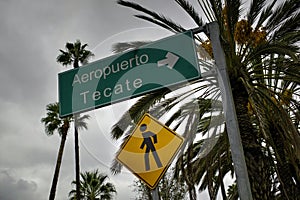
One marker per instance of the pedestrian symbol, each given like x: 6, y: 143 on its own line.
x: 149, y: 150
x: 149, y: 146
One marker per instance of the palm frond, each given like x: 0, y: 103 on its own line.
x: 161, y: 24
x: 213, y: 10
x: 154, y: 16
x: 85, y: 57
x: 290, y: 26
x: 83, y: 46
x: 125, y: 46
x: 188, y: 8
x: 52, y: 122
x: 281, y: 12
x: 64, y: 58
x: 291, y: 38
x: 116, y: 166
x: 255, y: 10
x: 269, y: 48
x: 206, y: 8
x: 81, y: 123
x: 265, y: 14
x: 69, y: 46
x: 136, y: 112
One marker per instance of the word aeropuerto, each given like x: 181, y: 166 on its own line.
x: 110, y: 69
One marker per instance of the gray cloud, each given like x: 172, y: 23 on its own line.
x: 12, y: 188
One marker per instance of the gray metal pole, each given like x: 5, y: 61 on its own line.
x: 154, y: 194
x: 236, y: 147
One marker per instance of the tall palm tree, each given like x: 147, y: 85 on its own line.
x: 261, y: 45
x: 75, y: 54
x: 94, y: 186
x: 52, y: 124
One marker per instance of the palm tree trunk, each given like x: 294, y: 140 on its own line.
x: 57, y: 167
x: 77, y: 165
x: 256, y: 165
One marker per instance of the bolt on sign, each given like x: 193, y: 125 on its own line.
x: 149, y: 150
x: 160, y: 64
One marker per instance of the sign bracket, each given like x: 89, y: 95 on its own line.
x: 209, y: 73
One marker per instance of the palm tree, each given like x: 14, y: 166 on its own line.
x: 54, y: 123
x: 93, y: 186
x: 75, y: 54
x: 261, y: 51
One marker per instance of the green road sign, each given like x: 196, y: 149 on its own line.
x: 163, y: 63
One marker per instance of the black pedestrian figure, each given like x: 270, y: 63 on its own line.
x: 149, y: 146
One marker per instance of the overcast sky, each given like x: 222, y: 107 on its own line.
x: 31, y: 32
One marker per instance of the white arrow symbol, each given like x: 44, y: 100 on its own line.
x: 170, y: 60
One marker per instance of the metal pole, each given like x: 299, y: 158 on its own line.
x: 236, y: 147
x: 154, y: 194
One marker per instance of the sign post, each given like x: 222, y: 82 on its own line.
x: 160, y: 64
x: 236, y: 147
x: 154, y: 194
x: 149, y: 150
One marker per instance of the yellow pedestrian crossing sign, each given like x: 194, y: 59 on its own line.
x: 149, y: 150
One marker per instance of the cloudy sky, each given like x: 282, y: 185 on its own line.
x: 31, y: 32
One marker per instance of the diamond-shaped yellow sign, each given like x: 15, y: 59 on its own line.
x: 149, y: 150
